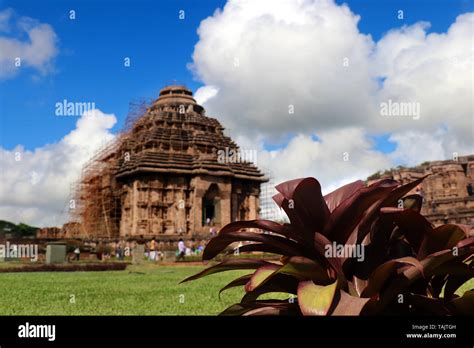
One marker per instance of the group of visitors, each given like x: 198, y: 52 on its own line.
x: 154, y: 253
x: 152, y: 250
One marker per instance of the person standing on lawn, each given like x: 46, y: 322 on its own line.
x: 153, y: 247
x: 77, y: 253
x: 181, y: 250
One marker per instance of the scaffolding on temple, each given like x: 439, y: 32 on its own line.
x: 94, y: 208
x: 95, y: 199
x: 269, y: 210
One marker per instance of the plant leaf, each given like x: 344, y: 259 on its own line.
x: 256, y: 247
x: 242, y: 308
x: 442, y: 237
x: 304, y: 204
x: 458, y: 273
x: 263, y: 311
x: 228, y: 265
x: 297, y: 266
x: 347, y: 304
x: 380, y: 275
x: 339, y: 195
x: 413, y: 202
x: 236, y: 282
x: 400, y: 191
x: 259, y: 276
x: 437, y: 283
x: 465, y: 304
x: 430, y: 263
x: 430, y: 305
x: 320, y: 244
x: 305, y: 269
x: 412, y: 224
x: 433, y: 261
x: 349, y: 213
x: 390, y: 201
x: 277, y: 283
x: 454, y: 283
x: 220, y: 242
x: 315, y: 299
x: 285, y: 230
x: 236, y: 309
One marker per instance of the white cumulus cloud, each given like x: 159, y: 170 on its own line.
x: 295, y: 69
x: 36, y: 184
x: 37, y: 51
x: 333, y: 161
x: 205, y: 93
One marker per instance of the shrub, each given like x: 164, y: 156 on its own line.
x: 407, y: 261
x: 375, y: 176
x: 86, y: 267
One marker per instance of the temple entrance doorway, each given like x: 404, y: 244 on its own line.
x: 210, y: 206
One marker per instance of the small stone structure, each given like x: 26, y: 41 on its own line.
x: 55, y: 253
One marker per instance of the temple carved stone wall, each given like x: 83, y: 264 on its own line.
x: 163, y: 178
x: 447, y: 191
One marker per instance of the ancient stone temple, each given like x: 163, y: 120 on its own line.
x: 169, y: 175
x: 447, y: 191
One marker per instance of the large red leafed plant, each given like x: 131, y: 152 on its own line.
x: 409, y: 266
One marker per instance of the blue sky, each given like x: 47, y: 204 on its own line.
x: 89, y: 65
x: 290, y: 53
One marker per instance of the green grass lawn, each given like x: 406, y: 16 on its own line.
x: 139, y: 290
